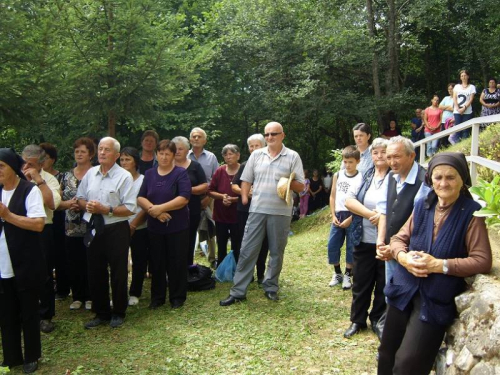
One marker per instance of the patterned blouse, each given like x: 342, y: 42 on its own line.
x: 74, y: 224
x: 490, y: 98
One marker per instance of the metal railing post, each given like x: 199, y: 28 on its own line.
x: 474, y: 151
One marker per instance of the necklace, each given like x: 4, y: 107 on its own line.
x: 378, y: 184
x: 439, y: 213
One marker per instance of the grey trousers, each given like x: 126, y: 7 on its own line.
x: 258, y: 225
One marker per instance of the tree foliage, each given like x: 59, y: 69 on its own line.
x: 73, y: 67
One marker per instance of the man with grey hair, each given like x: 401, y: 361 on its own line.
x: 269, y: 214
x: 34, y: 156
x: 403, y: 187
x: 106, y: 196
x: 254, y: 142
x: 209, y: 163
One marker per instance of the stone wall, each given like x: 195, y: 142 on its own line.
x: 473, y: 341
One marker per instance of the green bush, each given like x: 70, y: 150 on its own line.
x: 489, y: 193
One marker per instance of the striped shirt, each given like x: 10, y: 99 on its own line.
x: 264, y: 172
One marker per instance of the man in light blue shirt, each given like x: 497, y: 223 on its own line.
x: 209, y: 163
x: 106, y: 195
x: 403, y: 187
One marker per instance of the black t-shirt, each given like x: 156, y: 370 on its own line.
x: 237, y: 181
x: 145, y: 165
x: 197, y: 177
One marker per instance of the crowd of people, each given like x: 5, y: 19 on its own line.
x: 410, y: 235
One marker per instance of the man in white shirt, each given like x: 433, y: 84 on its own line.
x: 106, y: 195
x: 34, y: 156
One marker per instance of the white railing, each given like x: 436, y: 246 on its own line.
x: 474, y: 159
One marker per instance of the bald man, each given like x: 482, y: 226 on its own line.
x: 269, y: 214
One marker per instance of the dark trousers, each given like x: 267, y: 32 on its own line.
x: 169, y: 257
x: 48, y: 295
x: 61, y: 264
x: 264, y: 250
x: 139, y: 246
x: 109, y: 249
x: 409, y: 346
x: 77, y: 260
x: 19, y: 315
x: 369, y: 277
x: 194, y: 221
x: 224, y: 231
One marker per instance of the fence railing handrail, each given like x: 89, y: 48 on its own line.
x: 474, y: 157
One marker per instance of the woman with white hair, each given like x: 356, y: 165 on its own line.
x: 369, y: 271
x: 225, y: 214
x: 199, y: 187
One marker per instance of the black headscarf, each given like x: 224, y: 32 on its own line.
x: 454, y: 159
x: 13, y: 160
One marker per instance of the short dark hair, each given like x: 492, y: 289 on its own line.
x: 50, y: 150
x: 87, y: 142
x: 351, y: 152
x: 492, y: 79
x: 150, y: 133
x: 132, y: 152
x: 365, y: 128
x: 166, y: 144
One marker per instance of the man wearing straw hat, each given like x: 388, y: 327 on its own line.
x: 273, y: 171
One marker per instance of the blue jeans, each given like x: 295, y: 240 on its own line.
x: 336, y: 241
x: 458, y: 120
x: 432, y: 146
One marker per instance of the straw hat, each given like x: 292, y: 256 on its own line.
x: 283, y: 188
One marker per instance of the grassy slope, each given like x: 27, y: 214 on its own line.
x: 300, y: 334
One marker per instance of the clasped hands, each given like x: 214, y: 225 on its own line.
x: 419, y: 263
x: 157, y: 212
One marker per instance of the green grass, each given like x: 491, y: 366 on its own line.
x: 300, y: 334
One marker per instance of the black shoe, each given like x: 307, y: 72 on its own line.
x: 31, y: 367
x: 116, y: 321
x: 260, y: 280
x: 46, y: 326
x: 377, y: 330
x: 353, y: 329
x: 213, y: 264
x: 176, y: 304
x: 273, y: 296
x: 230, y: 300
x: 96, y: 322
x: 155, y: 305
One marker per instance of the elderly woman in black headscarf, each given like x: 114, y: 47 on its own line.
x: 440, y: 244
x: 22, y: 267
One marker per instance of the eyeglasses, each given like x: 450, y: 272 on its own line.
x: 267, y: 135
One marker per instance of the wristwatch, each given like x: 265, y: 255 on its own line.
x: 445, y: 267
x: 110, y: 213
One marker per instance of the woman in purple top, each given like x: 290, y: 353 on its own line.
x: 225, y: 202
x: 164, y: 194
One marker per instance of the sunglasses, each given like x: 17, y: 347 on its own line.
x: 267, y: 135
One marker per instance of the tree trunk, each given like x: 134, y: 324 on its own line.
x: 391, y: 48
x: 111, y: 112
x: 112, y: 123
x: 375, y: 62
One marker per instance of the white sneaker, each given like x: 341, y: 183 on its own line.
x: 346, y: 282
x: 336, y: 279
x: 132, y: 301
x: 88, y: 305
x: 75, y: 305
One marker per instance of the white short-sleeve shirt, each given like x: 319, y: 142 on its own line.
x: 34, y: 208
